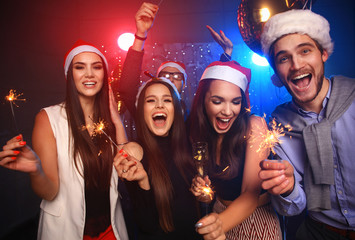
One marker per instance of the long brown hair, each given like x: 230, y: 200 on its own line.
x: 234, y: 141
x: 157, y: 170
x: 96, y: 152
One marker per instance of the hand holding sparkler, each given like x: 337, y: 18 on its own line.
x: 201, y: 189
x: 277, y: 176
x: 131, y: 169
x: 16, y: 155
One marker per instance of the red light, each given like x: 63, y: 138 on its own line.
x: 125, y: 40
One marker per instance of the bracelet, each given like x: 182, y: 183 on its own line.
x: 122, y: 143
x: 227, y: 56
x: 140, y: 38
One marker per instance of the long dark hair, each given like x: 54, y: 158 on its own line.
x: 96, y: 152
x: 157, y: 170
x: 234, y: 141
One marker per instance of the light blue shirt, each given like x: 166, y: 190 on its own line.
x: 342, y: 214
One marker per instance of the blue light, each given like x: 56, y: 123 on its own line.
x: 258, y: 60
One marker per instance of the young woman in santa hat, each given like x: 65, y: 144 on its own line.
x: 163, y: 206
x: 73, y: 171
x: 220, y: 117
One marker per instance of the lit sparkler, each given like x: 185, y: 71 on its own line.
x: 206, y: 197
x: 272, y: 136
x: 12, y: 98
x: 248, y: 109
x: 207, y: 194
x: 98, y: 128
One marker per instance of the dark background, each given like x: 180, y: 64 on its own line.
x: 36, y: 34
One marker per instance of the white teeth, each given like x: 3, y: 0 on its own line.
x: 224, y: 120
x: 159, y: 115
x: 301, y: 76
x: 89, y: 83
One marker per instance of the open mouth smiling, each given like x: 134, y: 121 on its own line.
x: 159, y: 119
x: 89, y: 83
x: 302, y: 81
x: 223, y: 123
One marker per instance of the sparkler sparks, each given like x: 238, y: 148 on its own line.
x: 98, y: 128
x: 249, y: 109
x: 12, y: 98
x: 208, y: 192
x: 272, y: 136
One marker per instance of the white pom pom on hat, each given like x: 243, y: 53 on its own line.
x: 178, y: 65
x: 79, y: 47
x: 297, y: 21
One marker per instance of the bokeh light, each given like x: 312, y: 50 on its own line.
x: 258, y: 60
x: 125, y: 41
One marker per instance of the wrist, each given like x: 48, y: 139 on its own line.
x: 140, y: 36
x: 144, y: 183
x: 229, y: 51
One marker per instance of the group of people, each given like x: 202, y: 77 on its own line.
x: 76, y: 170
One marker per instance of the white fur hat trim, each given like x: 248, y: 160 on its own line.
x: 227, y: 74
x: 80, y: 49
x: 297, y: 21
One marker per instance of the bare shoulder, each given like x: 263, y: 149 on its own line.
x: 257, y: 123
x: 42, y: 129
x: 42, y: 117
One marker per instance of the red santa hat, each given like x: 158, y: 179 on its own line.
x: 231, y: 72
x: 178, y: 65
x: 79, y: 47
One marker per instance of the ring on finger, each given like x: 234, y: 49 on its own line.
x: 124, y: 170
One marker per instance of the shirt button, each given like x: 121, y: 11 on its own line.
x: 340, y: 192
x: 335, y: 166
x: 345, y: 211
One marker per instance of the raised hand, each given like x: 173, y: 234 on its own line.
x: 222, y: 40
x: 145, y: 18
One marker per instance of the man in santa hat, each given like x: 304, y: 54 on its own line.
x: 317, y: 169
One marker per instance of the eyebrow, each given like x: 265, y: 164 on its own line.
x: 85, y: 63
x: 155, y: 96
x: 298, y: 46
x: 222, y: 98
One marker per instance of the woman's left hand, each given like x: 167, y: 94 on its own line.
x: 131, y: 169
x: 210, y: 227
x: 198, y: 184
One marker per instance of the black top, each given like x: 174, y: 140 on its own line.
x: 184, y: 204
x: 97, y: 211
x: 227, y: 189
